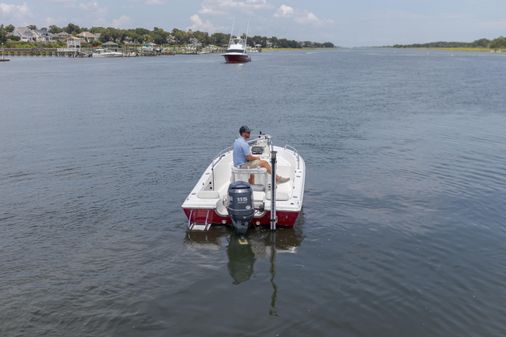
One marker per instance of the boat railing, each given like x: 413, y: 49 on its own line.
x: 216, y: 161
x: 288, y: 147
x: 220, y: 156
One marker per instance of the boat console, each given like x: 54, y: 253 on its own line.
x: 261, y: 146
x: 257, y: 150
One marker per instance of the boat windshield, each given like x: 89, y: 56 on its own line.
x: 235, y: 50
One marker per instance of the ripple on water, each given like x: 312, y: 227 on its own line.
x: 402, y: 233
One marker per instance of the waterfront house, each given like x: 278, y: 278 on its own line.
x: 73, y: 47
x: 195, y: 42
x: 111, y: 46
x: 88, y: 37
x: 128, y: 40
x: 62, y: 36
x: 45, y: 35
x: 25, y: 34
x: 74, y: 44
x: 171, y: 39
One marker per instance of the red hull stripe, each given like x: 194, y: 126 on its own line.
x: 237, y: 58
x: 285, y: 219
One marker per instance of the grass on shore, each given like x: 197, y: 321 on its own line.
x: 486, y: 50
x: 468, y: 49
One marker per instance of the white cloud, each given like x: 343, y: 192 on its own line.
x: 203, y: 25
x: 96, y: 14
x: 63, y: 2
x: 149, y: 2
x: 91, y: 6
x: 10, y: 11
x: 120, y: 22
x: 284, y: 11
x: 154, y: 2
x: 304, y: 17
x: 221, y: 7
x: 308, y: 18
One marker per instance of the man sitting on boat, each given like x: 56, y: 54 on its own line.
x: 245, y: 160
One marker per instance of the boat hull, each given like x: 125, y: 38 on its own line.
x: 200, y: 215
x: 108, y: 55
x: 237, y: 58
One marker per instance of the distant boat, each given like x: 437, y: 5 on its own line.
x: 236, y: 51
x: 109, y: 49
x: 106, y: 53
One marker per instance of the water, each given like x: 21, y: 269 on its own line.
x: 403, y: 227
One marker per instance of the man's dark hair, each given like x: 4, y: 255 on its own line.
x: 244, y: 129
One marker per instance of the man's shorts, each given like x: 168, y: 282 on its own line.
x: 251, y: 164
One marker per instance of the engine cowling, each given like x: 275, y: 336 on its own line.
x: 240, y: 205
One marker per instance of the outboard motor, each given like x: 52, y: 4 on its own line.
x: 240, y: 205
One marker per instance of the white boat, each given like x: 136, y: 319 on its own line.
x: 237, y: 51
x: 100, y: 52
x: 210, y: 203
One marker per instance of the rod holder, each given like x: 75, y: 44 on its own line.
x: 273, y: 191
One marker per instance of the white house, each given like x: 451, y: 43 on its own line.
x: 62, y: 36
x: 74, y: 43
x: 45, y: 35
x: 88, y: 37
x: 25, y: 34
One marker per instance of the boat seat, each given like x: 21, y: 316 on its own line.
x: 208, y: 195
x: 258, y: 188
x: 239, y: 174
x: 280, y: 196
x: 221, y: 207
x: 284, y: 171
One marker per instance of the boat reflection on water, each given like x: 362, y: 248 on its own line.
x: 244, y: 251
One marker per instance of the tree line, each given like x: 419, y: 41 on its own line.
x: 498, y: 43
x: 174, y: 37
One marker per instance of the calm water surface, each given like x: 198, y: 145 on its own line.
x: 403, y: 231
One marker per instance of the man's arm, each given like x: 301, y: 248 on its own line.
x: 247, y: 153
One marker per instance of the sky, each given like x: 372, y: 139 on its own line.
x: 348, y: 23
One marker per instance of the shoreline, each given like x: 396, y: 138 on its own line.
x: 267, y: 50
x: 459, y: 49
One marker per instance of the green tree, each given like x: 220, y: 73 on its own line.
x: 32, y: 27
x: 159, y: 36
x: 3, y: 35
x: 498, y: 43
x: 203, y: 37
x: 72, y: 29
x: 481, y: 43
x: 9, y: 28
x: 219, y: 39
x: 180, y: 36
x: 53, y: 29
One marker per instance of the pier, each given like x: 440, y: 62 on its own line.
x: 87, y: 52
